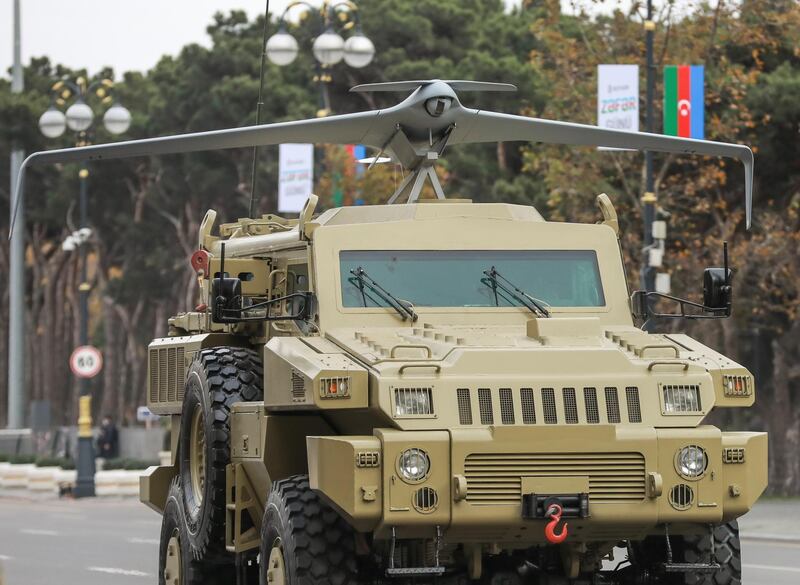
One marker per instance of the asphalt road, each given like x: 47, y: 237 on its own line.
x: 103, y: 542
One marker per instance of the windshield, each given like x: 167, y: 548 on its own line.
x: 455, y: 278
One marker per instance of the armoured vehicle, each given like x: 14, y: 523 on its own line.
x: 440, y: 390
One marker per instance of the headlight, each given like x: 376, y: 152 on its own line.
x: 414, y: 465
x: 681, y: 398
x: 691, y: 462
x: 413, y: 401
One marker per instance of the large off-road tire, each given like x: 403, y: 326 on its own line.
x: 217, y: 379
x: 727, y: 549
x: 176, y: 566
x: 303, y: 540
x: 696, y: 549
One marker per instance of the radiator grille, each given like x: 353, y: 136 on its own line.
x: 570, y: 406
x: 549, y: 406
x: 167, y: 375
x: 153, y: 367
x: 413, y: 401
x: 464, y: 406
x: 172, y: 375
x: 634, y: 408
x: 506, y: 406
x: 528, y: 407
x: 485, y: 406
x: 612, y: 405
x: 590, y: 400
x: 496, y: 478
x: 567, y: 405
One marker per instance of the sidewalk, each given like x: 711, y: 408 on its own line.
x: 772, y: 519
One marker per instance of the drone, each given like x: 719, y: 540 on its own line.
x: 414, y: 133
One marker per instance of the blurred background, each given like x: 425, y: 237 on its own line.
x: 144, y: 213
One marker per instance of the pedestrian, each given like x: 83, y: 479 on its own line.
x: 108, y: 440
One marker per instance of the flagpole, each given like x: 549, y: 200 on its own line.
x: 649, y: 197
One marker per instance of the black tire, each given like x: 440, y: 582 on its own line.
x: 728, y: 553
x: 696, y: 548
x: 217, y: 379
x: 174, y: 542
x: 318, y: 546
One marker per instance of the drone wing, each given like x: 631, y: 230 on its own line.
x: 482, y: 126
x: 455, y: 84
x: 345, y: 129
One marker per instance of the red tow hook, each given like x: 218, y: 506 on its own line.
x: 554, y: 512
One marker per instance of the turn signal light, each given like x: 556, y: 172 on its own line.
x: 737, y: 385
x: 334, y: 387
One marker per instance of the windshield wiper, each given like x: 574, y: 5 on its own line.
x: 403, y: 308
x: 497, y: 281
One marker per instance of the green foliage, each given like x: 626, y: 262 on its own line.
x: 62, y: 462
x: 22, y: 459
x: 4, y: 457
x: 127, y: 464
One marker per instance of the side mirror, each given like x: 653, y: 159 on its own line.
x: 226, y: 295
x: 717, y: 291
x: 639, y: 305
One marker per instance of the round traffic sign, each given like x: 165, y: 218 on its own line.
x: 86, y: 361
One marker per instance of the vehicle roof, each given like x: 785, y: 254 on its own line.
x: 427, y: 209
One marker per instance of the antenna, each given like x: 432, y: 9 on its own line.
x: 254, y: 177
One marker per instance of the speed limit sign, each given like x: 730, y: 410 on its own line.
x: 86, y: 361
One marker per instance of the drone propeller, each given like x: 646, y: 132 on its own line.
x: 457, y: 85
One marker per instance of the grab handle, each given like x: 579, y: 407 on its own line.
x: 684, y: 365
x: 659, y: 346
x: 427, y: 349
x: 404, y: 367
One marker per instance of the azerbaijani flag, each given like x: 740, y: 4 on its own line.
x: 684, y: 107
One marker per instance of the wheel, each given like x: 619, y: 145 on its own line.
x: 303, y: 540
x: 728, y: 552
x: 217, y: 379
x: 176, y: 566
x: 696, y: 548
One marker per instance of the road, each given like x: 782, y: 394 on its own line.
x: 103, y: 542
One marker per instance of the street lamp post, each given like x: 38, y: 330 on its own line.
x: 329, y: 47
x: 649, y: 197
x: 80, y: 119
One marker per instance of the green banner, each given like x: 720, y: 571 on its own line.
x: 671, y: 100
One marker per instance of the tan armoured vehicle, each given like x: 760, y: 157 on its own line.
x: 440, y: 390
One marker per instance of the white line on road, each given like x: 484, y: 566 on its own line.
x: 772, y: 568
x: 39, y: 532
x: 137, y: 540
x: 5, y: 558
x: 115, y: 571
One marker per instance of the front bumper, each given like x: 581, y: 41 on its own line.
x: 480, y: 475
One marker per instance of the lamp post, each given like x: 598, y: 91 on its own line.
x: 329, y: 47
x: 16, y: 273
x: 649, y: 197
x: 80, y: 118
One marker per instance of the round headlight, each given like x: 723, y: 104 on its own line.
x: 691, y: 462
x: 413, y: 465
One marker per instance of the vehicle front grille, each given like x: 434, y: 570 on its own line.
x: 567, y: 405
x: 167, y: 375
x: 496, y: 478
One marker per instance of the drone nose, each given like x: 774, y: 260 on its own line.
x: 437, y: 106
